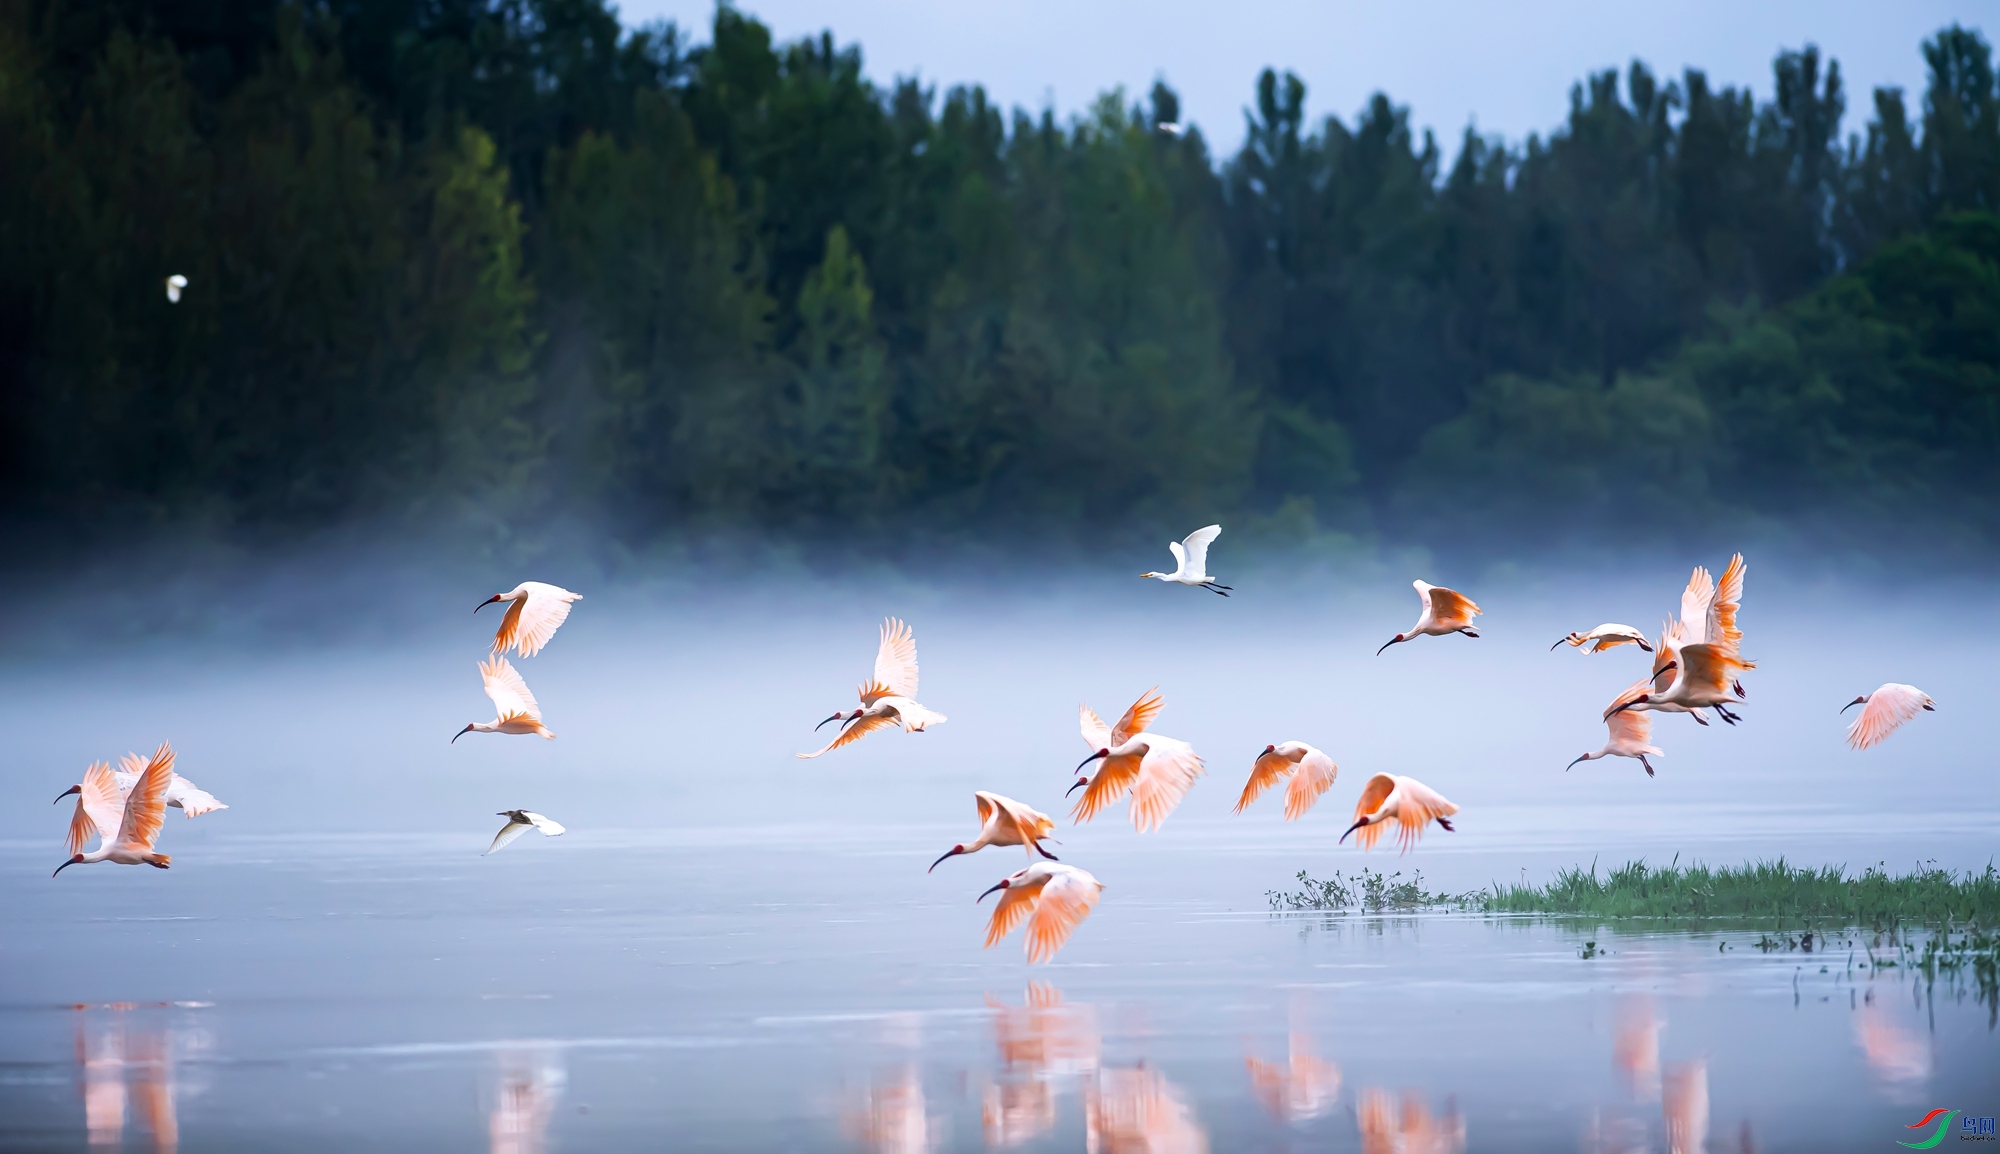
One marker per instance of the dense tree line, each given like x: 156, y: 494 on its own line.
x: 451, y: 255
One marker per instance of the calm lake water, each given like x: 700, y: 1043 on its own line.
x: 735, y: 950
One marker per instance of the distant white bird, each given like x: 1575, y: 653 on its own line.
x: 515, y: 709
x: 1157, y: 769
x: 1405, y: 800
x: 1004, y: 821
x: 538, y: 610
x: 520, y: 821
x: 1175, y: 129
x: 175, y: 284
x: 1054, y: 898
x: 138, y: 825
x: 1884, y: 711
x: 886, y: 699
x: 1631, y: 732
x: 1192, y: 554
x: 1315, y: 772
x: 1607, y: 636
x: 1444, y: 611
x: 99, y: 807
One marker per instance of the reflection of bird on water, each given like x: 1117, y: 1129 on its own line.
x: 1302, y: 1088
x: 1410, y: 1130
x: 1135, y: 1110
x: 1039, y: 1043
x: 1898, y: 1057
x: 891, y: 1119
x: 887, y: 698
x: 1635, y: 1049
x: 123, y: 1066
x: 1684, y: 1103
x: 530, y: 1082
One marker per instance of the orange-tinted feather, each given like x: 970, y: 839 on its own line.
x: 1269, y: 770
x: 1015, y: 903
x: 1113, y: 778
x: 146, y: 805
x: 1138, y: 717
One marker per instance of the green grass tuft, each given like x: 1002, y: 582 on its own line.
x: 1767, y: 889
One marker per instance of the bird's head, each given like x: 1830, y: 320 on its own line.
x: 1572, y: 765
x: 79, y: 789
x: 1573, y: 640
x: 462, y: 732
x: 1270, y: 749
x: 489, y: 601
x: 952, y: 852
x: 1152, y: 574
x: 1091, y: 758
x: 1358, y: 823
x: 76, y: 859
x: 1862, y: 700
x: 1391, y: 641
x: 1004, y: 883
x: 837, y: 716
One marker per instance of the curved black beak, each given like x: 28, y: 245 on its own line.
x: 1843, y: 709
x: 1552, y: 648
x: 1351, y: 829
x: 1572, y: 765
x: 836, y: 717
x: 1642, y: 644
x: 1000, y: 885
x: 485, y: 603
x: 1388, y: 643
x: 79, y: 789
x: 1630, y: 704
x: 67, y: 864
x: 957, y: 849
x: 460, y: 733
x: 1091, y: 758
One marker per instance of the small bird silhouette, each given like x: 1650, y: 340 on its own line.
x: 1192, y: 554
x: 1315, y: 772
x: 1444, y: 611
x: 515, y: 709
x: 538, y: 610
x: 520, y: 821
x: 1054, y: 898
x: 1884, y: 711
x: 1405, y: 800
x: 1607, y: 636
x: 175, y: 284
x: 1004, y: 821
x: 886, y: 699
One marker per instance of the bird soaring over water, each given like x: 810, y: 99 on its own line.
x: 1884, y: 711
x: 1699, y: 658
x: 1609, y: 635
x: 515, y: 709
x: 1004, y: 821
x: 1054, y: 898
x: 139, y: 824
x: 1192, y: 555
x: 1410, y: 803
x: 1158, y: 770
x: 99, y: 807
x: 886, y: 699
x: 1631, y: 733
x: 520, y: 821
x: 1444, y: 611
x: 536, y: 612
x: 1310, y: 770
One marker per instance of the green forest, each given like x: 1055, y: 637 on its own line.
x: 499, y: 260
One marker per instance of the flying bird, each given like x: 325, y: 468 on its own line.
x: 1192, y: 554
x: 1004, y: 821
x: 139, y: 824
x: 1631, y: 733
x: 1052, y: 897
x: 515, y: 709
x: 1607, y: 636
x: 1444, y: 611
x: 175, y: 284
x: 1884, y: 711
x: 99, y: 806
x: 1315, y: 771
x: 886, y: 699
x: 536, y: 612
x: 1410, y: 803
x: 1174, y: 129
x: 1158, y: 770
x: 520, y: 821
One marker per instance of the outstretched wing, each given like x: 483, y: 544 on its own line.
x: 1016, y: 902
x: 1269, y: 770
x: 1887, y: 708
x: 532, y: 620
x: 1419, y: 806
x: 548, y: 828
x: 1315, y: 776
x: 1373, y: 794
x: 1180, y: 558
x: 1166, y: 774
x: 1113, y: 778
x: 1720, y: 621
x: 146, y: 805
x: 1030, y: 823
x: 1137, y: 718
x: 509, y: 693
x: 1197, y: 549
x: 99, y: 807
x: 1633, y: 726
x: 194, y: 801
x: 1067, y: 898
x: 1096, y: 734
x: 1631, y: 693
x: 896, y: 659
x: 855, y: 731
x: 1449, y: 605
x: 1695, y: 600
x: 986, y: 805
x: 510, y: 831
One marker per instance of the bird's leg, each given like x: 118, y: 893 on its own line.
x: 1446, y: 823
x: 1470, y: 632
x: 1037, y: 846
x: 1738, y: 687
x: 1647, y: 764
x: 1216, y: 589
x: 1699, y: 719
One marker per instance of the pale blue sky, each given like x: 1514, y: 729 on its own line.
x: 1509, y: 67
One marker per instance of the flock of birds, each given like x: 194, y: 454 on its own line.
x: 1697, y: 664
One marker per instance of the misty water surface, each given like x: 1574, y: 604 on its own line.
x: 735, y: 949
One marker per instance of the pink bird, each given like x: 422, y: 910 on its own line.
x: 1410, y: 803
x: 537, y: 611
x: 98, y: 810
x: 1311, y: 771
x: 144, y: 809
x: 1158, y: 770
x: 1444, y: 611
x: 1004, y: 821
x: 1053, y: 898
x: 1884, y: 711
x: 515, y: 709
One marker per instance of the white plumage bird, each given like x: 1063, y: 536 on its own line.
x: 520, y: 821
x: 515, y: 710
x: 1631, y: 731
x: 100, y: 797
x: 1004, y: 821
x: 887, y: 698
x: 1311, y: 771
x: 1410, y: 803
x: 1054, y: 898
x: 1158, y: 770
x: 1192, y: 555
x: 139, y: 818
x: 1884, y: 711
x: 1444, y: 611
x: 1609, y: 635
x: 538, y: 609
x: 175, y: 284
